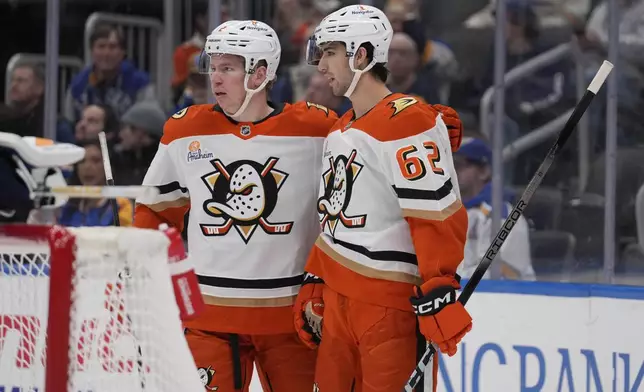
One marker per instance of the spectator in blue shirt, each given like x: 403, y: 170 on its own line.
x: 110, y: 80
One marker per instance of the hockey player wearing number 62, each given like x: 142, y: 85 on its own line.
x: 394, y: 227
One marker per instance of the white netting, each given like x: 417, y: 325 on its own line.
x: 125, y: 333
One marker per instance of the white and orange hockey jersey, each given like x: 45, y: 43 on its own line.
x: 251, y: 189
x: 389, y: 205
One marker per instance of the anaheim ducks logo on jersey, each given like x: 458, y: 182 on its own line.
x: 206, y: 375
x: 338, y: 185
x: 318, y: 106
x: 244, y: 194
x: 400, y: 104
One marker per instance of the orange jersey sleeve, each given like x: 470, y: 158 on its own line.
x: 173, y: 200
x: 418, y: 162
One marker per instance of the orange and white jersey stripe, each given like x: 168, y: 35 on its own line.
x: 251, y: 191
x: 389, y: 204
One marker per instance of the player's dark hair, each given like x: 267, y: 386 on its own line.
x: 379, y: 71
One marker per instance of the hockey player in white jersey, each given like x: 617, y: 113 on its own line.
x: 393, y: 225
x: 246, y: 170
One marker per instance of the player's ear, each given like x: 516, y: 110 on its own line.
x: 259, y: 76
x: 360, y: 60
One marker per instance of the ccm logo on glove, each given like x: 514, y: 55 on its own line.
x: 434, y: 302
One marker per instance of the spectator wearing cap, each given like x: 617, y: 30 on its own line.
x: 109, y: 80
x: 141, y: 131
x: 473, y: 168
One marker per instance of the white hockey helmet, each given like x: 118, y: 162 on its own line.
x: 254, y: 41
x: 353, y: 25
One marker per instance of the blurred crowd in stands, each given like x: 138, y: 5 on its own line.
x: 452, y: 65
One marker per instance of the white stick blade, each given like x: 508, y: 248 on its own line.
x: 600, y: 77
x: 107, y: 165
x: 100, y: 192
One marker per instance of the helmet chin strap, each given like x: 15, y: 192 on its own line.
x: 249, y: 96
x: 357, y: 73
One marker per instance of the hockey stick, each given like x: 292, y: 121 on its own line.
x: 125, y: 274
x: 98, y: 192
x: 517, y: 211
x: 109, y: 179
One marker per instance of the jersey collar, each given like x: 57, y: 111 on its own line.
x: 277, y: 109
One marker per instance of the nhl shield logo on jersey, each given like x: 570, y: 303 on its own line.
x: 338, y: 186
x: 206, y: 375
x: 244, y: 130
x: 244, y: 194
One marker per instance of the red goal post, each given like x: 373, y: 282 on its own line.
x: 93, y: 309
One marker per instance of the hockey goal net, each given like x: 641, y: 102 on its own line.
x: 90, y: 309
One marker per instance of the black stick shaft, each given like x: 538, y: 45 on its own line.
x: 518, y: 209
x: 520, y: 206
x: 115, y: 206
